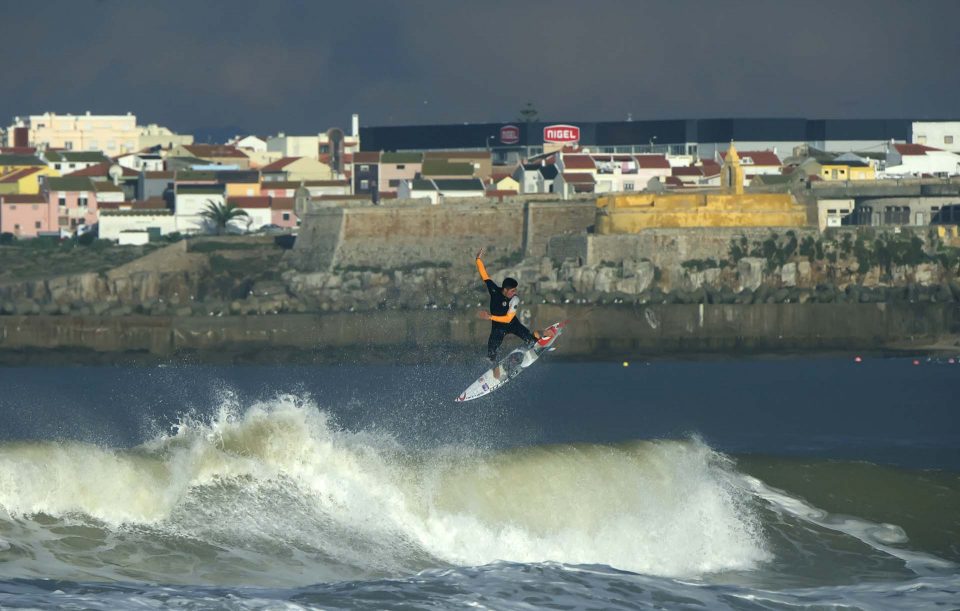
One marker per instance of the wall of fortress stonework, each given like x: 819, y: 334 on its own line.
x: 409, y: 234
x: 611, y: 332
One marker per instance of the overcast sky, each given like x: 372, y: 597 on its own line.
x: 305, y: 66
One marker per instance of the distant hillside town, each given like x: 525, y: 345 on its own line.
x: 69, y: 175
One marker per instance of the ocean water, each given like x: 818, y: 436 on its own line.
x: 775, y: 484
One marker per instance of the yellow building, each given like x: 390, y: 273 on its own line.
x: 847, y: 170
x: 728, y: 207
x: 24, y: 181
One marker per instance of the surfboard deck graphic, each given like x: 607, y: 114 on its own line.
x: 512, y: 365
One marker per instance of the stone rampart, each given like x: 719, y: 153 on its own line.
x: 663, y: 247
x: 411, y: 233
x: 610, y: 332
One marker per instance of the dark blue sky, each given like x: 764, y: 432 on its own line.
x: 302, y: 67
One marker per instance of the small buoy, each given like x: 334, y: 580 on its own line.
x: 626, y: 363
x: 916, y: 362
x: 857, y: 359
x: 951, y: 360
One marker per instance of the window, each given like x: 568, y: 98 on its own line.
x: 628, y: 186
x: 16, y: 227
x: 82, y: 202
x: 364, y: 168
x: 394, y: 182
x: 364, y: 184
x: 36, y: 225
x: 62, y: 201
x: 401, y: 166
x: 921, y: 139
x: 13, y: 206
x: 56, y: 166
x: 948, y: 139
x: 68, y: 145
x: 286, y: 216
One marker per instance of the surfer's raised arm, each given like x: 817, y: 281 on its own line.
x: 480, y: 268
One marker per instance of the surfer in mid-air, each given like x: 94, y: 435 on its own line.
x: 503, y: 312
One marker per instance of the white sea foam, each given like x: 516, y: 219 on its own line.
x: 282, y: 489
x: 880, y: 536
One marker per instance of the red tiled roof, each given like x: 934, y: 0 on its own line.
x: 687, y: 171
x: 279, y: 164
x: 578, y: 177
x: 102, y: 169
x: 16, y: 198
x: 673, y: 181
x: 154, y: 203
x: 19, y: 174
x: 159, y: 174
x: 282, y: 203
x: 282, y: 185
x: 501, y: 192
x: 710, y: 167
x: 758, y: 157
x: 578, y: 162
x: 203, y: 151
x: 18, y: 150
x: 250, y: 201
x: 653, y: 162
x: 914, y: 149
x: 366, y: 157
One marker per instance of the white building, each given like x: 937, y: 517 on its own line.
x: 916, y: 159
x: 191, y: 201
x: 112, y: 134
x: 944, y: 135
x: 418, y: 188
x: 115, y: 219
x: 249, y: 143
x: 141, y: 162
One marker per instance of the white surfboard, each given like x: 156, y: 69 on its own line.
x: 512, y: 365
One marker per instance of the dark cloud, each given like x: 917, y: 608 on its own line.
x: 305, y: 66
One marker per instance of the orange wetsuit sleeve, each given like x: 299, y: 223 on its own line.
x: 483, y: 271
x: 505, y: 318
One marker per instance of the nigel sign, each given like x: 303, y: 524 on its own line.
x: 561, y: 133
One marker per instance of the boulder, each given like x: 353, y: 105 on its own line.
x: 750, y: 272
x: 788, y: 274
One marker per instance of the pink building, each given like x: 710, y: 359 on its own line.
x: 72, y: 202
x: 283, y: 213
x: 25, y: 216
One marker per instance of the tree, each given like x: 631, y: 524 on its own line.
x: 529, y: 114
x: 220, y: 215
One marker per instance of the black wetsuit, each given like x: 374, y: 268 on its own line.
x: 501, y: 306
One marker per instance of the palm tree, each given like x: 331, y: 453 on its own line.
x: 219, y: 215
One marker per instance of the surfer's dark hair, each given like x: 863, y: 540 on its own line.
x: 509, y: 283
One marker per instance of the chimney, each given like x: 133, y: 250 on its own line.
x: 355, y: 123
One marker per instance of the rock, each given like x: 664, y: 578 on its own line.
x: 788, y: 274
x: 750, y: 272
x: 604, y: 280
x: 925, y: 274
x: 583, y: 279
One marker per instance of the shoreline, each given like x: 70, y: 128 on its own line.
x: 600, y: 333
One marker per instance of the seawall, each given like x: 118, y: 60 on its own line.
x: 610, y: 332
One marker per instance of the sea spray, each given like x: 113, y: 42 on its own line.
x: 276, y: 492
